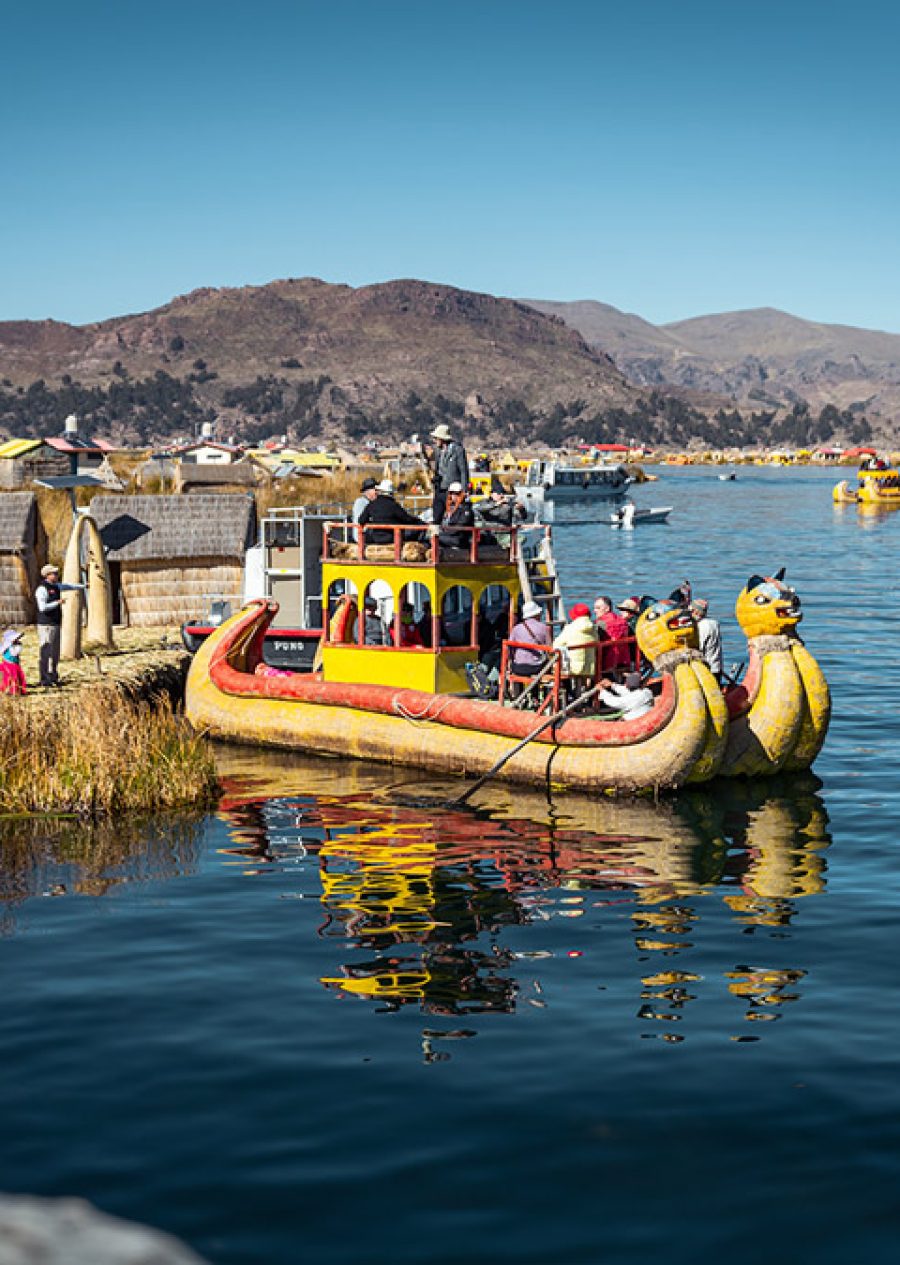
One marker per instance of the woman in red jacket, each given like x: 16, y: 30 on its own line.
x: 613, y: 626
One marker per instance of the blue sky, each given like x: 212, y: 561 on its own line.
x: 671, y: 159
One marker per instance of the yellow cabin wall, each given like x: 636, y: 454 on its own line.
x: 440, y: 670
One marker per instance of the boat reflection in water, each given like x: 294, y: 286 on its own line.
x: 437, y: 909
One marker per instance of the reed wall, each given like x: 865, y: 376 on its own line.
x: 157, y: 594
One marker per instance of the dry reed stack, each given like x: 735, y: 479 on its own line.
x: 18, y: 557
x: 169, y: 554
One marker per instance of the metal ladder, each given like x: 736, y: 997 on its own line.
x: 539, y: 578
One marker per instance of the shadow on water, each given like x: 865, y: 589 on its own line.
x: 418, y: 900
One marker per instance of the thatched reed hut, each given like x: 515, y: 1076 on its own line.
x: 239, y: 477
x: 170, y: 555
x: 19, y: 531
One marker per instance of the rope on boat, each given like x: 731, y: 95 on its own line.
x: 423, y: 717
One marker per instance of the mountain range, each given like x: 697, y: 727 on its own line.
x: 761, y: 358
x: 314, y: 359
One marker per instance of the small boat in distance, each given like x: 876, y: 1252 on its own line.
x: 728, y: 477
x: 629, y: 515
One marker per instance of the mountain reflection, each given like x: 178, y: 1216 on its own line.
x: 429, y: 907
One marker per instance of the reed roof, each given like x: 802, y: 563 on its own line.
x: 165, y: 528
x: 17, y: 521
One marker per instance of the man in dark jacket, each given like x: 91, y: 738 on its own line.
x: 450, y: 465
x: 458, y: 514
x: 48, y: 599
x: 500, y: 509
x: 384, y: 510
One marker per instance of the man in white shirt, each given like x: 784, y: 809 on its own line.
x: 631, y: 698
x: 710, y: 635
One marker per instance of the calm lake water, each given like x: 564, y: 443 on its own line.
x: 329, y: 1023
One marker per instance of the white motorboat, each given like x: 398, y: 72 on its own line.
x: 629, y: 515
x: 548, y: 481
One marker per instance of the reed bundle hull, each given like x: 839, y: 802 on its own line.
x: 446, y: 733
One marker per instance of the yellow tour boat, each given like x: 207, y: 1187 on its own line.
x: 407, y: 699
x: 878, y: 487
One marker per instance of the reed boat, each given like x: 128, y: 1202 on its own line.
x: 779, y: 713
x: 410, y: 703
x: 879, y: 487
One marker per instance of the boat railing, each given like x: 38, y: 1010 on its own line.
x: 408, y: 544
x: 611, y: 655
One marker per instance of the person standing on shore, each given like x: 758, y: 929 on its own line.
x: 450, y: 465
x: 48, y: 597
x: 12, y: 678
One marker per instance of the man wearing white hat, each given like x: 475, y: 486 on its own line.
x: 48, y: 599
x: 532, y: 630
x: 450, y: 465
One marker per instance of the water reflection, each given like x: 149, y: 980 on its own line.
x: 47, y: 856
x: 450, y: 911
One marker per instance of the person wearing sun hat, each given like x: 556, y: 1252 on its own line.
x: 630, y: 609
x: 367, y: 493
x: 12, y: 678
x: 531, y: 630
x: 48, y: 599
x: 449, y: 465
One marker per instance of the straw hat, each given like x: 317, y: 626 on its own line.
x: 531, y: 610
x: 386, y: 485
x: 454, y: 487
x: 442, y: 432
x: 49, y: 568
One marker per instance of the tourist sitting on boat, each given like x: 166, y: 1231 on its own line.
x: 368, y: 490
x: 710, y: 635
x: 630, y: 699
x: 613, y: 628
x: 528, y: 659
x: 457, y: 514
x: 577, y: 641
x: 376, y: 633
x: 384, y: 510
x: 409, y: 633
x: 629, y: 609
x: 500, y: 509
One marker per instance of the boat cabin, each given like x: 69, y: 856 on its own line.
x: 414, y: 612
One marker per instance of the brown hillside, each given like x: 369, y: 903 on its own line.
x: 376, y: 344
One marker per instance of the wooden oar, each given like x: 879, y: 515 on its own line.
x: 495, y: 768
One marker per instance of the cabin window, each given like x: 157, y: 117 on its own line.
x: 378, y: 606
x: 458, y: 617
x: 343, y: 601
x: 494, y: 623
x: 413, y: 622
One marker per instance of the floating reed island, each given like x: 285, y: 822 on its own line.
x: 109, y: 740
